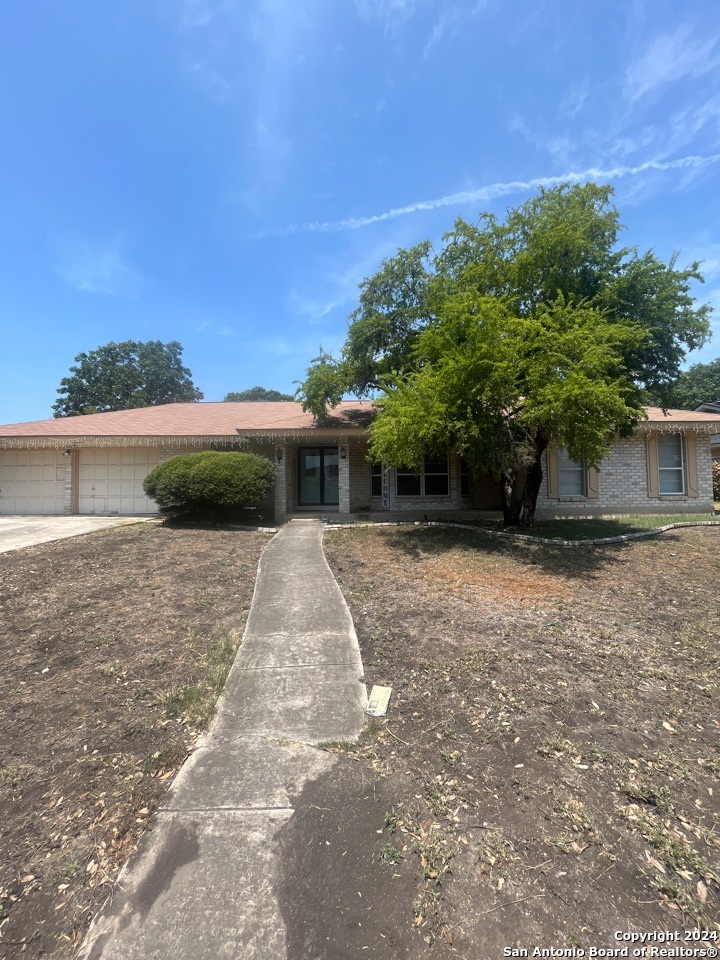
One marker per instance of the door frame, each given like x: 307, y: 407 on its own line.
x: 323, y: 448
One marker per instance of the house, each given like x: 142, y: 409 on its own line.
x: 96, y: 464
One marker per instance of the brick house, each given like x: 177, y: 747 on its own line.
x: 96, y: 464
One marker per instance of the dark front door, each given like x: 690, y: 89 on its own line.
x: 318, y: 476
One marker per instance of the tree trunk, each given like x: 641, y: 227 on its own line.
x: 510, y: 505
x: 531, y: 489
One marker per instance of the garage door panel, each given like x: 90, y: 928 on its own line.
x: 32, y: 482
x: 111, y: 481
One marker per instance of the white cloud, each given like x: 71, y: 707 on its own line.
x: 392, y: 14
x: 338, y: 286
x: 195, y: 13
x: 671, y: 57
x: 215, y: 85
x: 97, y: 269
x: 451, y: 19
x: 252, y: 52
x: 495, y: 190
x: 388, y: 12
x: 574, y: 101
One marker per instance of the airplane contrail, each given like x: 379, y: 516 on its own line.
x: 495, y: 190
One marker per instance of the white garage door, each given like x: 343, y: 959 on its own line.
x: 32, y: 482
x: 111, y: 480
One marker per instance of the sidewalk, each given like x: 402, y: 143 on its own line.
x: 201, y: 885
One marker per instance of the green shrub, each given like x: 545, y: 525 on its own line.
x: 209, y: 485
x: 716, y: 480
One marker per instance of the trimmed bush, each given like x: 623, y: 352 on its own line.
x: 716, y: 480
x: 209, y: 485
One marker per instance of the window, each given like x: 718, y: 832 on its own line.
x: 432, y: 481
x: 437, y: 480
x: 671, y: 464
x: 375, y: 479
x: 408, y: 483
x: 568, y: 478
x: 571, y: 475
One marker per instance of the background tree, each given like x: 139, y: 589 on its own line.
x: 535, y: 330
x: 699, y: 384
x: 123, y: 376
x: 257, y: 393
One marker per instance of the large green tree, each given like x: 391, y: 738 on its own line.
x: 257, y: 393
x: 122, y: 376
x: 519, y: 333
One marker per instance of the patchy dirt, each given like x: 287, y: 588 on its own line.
x: 114, y: 646
x: 549, y: 766
x: 343, y: 888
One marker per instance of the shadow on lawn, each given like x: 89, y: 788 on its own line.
x: 576, y: 562
x: 249, y: 517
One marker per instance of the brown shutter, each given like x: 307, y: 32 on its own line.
x: 592, y: 483
x: 553, y: 482
x: 691, y: 466
x: 653, y: 477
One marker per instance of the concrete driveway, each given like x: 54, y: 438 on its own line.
x: 18, y: 532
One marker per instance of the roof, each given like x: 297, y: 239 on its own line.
x: 222, y: 419
x: 670, y: 419
x: 227, y: 419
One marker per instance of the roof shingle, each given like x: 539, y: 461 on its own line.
x: 220, y: 419
x: 227, y: 419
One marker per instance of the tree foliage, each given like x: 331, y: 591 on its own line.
x: 517, y: 334
x: 209, y: 486
x: 254, y: 394
x: 699, y: 384
x: 123, y: 376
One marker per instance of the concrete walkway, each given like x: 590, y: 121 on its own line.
x: 201, y: 885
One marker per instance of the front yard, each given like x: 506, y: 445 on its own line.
x: 549, y: 764
x: 547, y: 773
x: 114, y: 646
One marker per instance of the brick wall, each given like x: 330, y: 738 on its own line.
x: 484, y: 493
x: 359, y: 470
x: 623, y: 485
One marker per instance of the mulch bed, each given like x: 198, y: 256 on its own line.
x: 548, y: 770
x: 97, y: 636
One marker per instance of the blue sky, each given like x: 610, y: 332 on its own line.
x: 225, y: 172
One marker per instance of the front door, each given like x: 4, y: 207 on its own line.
x: 318, y: 479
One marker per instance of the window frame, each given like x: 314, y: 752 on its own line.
x: 664, y: 437
x: 578, y: 466
x: 422, y: 494
x: 591, y: 480
x: 376, y: 478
